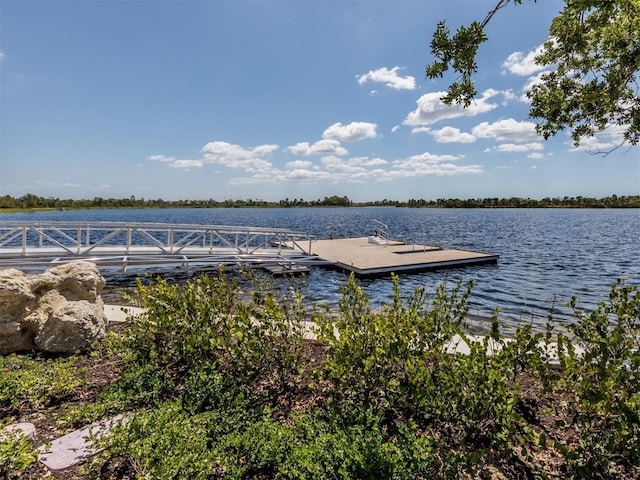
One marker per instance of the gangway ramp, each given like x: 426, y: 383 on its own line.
x: 118, y: 248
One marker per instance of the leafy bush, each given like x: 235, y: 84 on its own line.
x: 210, y: 365
x: 16, y: 452
x: 256, y: 338
x: 371, y: 355
x: 36, y: 382
x: 164, y: 442
x: 603, y: 381
x: 398, y: 360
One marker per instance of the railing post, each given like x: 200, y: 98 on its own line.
x: 128, y: 240
x: 24, y: 241
x: 79, y: 240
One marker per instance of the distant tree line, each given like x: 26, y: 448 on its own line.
x: 31, y: 202
x: 614, y: 201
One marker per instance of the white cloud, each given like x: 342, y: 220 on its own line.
x: 509, y: 95
x: 530, y: 83
x: 162, y: 158
x: 428, y: 164
x: 591, y: 144
x: 372, y: 162
x: 603, y: 141
x: 353, y: 165
x: 299, y: 164
x: 71, y: 185
x: 516, y: 147
x: 351, y: 132
x: 431, y: 109
x: 452, y: 135
x: 507, y: 130
x: 321, y: 147
x: 2, y: 56
x: 418, y: 162
x: 389, y: 77
x: 519, y: 63
x: 235, y: 156
x: 172, y: 162
x: 332, y: 168
x: 305, y: 174
x: 335, y: 163
x: 395, y: 128
x: 258, y: 178
x: 186, y: 163
x: 435, y: 169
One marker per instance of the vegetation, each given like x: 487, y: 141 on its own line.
x: 221, y: 382
x: 591, y: 61
x: 30, y: 202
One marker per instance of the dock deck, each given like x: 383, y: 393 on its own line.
x: 369, y: 259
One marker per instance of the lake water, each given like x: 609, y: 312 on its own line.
x: 546, y: 255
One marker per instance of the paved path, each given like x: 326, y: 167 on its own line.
x: 75, y: 447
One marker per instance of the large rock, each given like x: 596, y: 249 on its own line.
x: 58, y: 311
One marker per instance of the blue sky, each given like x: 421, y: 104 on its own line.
x: 277, y: 99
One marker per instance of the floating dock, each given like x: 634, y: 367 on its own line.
x: 124, y: 248
x: 367, y: 259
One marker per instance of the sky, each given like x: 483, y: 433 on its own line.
x: 269, y: 100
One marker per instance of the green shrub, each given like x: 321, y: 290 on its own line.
x: 37, y: 382
x: 16, y: 452
x: 396, y: 359
x: 257, y: 449
x: 258, y: 337
x: 163, y: 442
x: 208, y: 364
x: 371, y: 355
x: 358, y: 445
x: 604, y: 384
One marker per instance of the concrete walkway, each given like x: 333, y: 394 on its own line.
x: 68, y: 450
x: 75, y: 447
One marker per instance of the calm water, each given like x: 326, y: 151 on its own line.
x: 546, y: 255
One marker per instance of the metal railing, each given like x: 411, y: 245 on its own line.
x: 111, y: 244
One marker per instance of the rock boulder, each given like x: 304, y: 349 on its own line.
x: 58, y: 311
